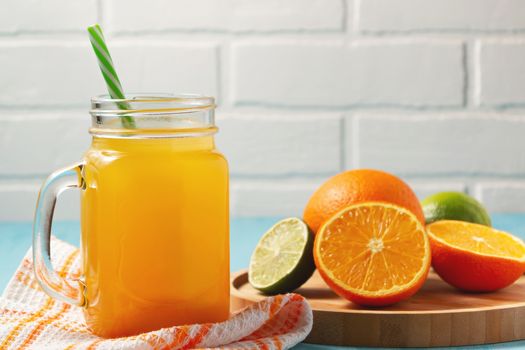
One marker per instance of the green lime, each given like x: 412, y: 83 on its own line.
x: 454, y: 206
x: 283, y: 259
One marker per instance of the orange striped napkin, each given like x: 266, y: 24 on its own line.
x: 29, y: 319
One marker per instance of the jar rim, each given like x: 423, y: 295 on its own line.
x: 160, y: 102
x: 155, y: 115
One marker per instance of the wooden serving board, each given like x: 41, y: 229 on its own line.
x: 438, y: 315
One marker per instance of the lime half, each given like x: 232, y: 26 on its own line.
x: 454, y: 206
x: 283, y: 259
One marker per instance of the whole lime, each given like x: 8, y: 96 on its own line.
x: 454, y: 206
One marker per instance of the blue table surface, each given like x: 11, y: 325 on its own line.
x: 15, y: 239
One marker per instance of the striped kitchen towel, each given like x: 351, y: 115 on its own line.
x: 29, y: 319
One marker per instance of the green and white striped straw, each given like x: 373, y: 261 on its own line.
x: 96, y: 37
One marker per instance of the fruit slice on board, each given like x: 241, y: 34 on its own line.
x: 373, y: 254
x: 282, y: 260
x: 475, y: 257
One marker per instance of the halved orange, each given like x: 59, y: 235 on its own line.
x: 373, y: 253
x: 475, y: 257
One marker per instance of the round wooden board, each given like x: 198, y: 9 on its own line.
x: 438, y: 315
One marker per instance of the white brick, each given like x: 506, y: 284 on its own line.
x: 501, y: 73
x: 271, y: 198
x: 68, y: 75
x: 39, y: 144
x: 225, y: 15
x: 51, y: 15
x: 442, y: 144
x: 504, y: 197
x: 167, y: 67
x: 279, y: 144
x: 406, y: 73
x: 349, y: 151
x: 18, y: 202
x: 428, y: 15
x: 36, y: 73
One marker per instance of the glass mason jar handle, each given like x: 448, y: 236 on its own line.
x: 67, y: 290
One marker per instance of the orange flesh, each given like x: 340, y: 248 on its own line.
x: 374, y: 249
x: 478, y: 238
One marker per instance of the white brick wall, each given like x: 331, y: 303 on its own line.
x: 47, y: 73
x: 54, y: 73
x: 167, y: 66
x: 443, y: 15
x: 35, y: 16
x: 442, y: 144
x: 225, y: 15
x: 433, y: 91
x: 339, y: 75
x: 273, y: 145
x: 501, y: 72
x: 277, y: 198
x: 39, y: 143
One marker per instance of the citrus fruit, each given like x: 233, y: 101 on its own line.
x: 373, y: 254
x: 454, y: 206
x: 357, y: 186
x: 282, y: 260
x: 475, y: 257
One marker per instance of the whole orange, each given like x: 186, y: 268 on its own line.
x: 358, y: 186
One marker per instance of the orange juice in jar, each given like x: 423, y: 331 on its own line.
x: 154, y: 218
